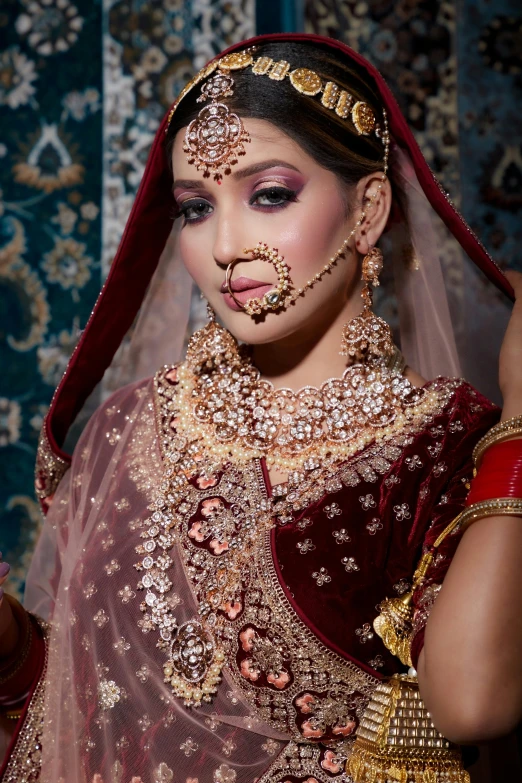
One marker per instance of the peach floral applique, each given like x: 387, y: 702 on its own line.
x: 210, y: 506
x: 345, y: 730
x: 204, y: 482
x: 248, y: 672
x: 218, y: 546
x: 195, y: 531
x: 307, y: 730
x: 172, y: 375
x: 247, y: 639
x: 330, y: 763
x: 233, y: 608
x: 304, y: 703
x: 279, y: 680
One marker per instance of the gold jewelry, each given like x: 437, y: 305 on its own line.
x: 304, y: 80
x: 500, y: 507
x: 237, y: 416
x: 216, y: 138
x: 368, y: 337
x: 273, y: 299
x: 501, y: 431
x: 397, y: 741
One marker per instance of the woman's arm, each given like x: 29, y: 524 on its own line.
x: 470, y: 669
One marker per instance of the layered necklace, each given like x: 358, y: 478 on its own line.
x: 236, y: 416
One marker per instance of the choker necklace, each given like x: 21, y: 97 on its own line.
x: 236, y: 416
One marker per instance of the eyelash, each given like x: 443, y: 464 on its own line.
x: 286, y: 195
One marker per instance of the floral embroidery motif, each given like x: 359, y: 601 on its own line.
x: 144, y: 722
x: 126, y: 594
x: 350, y: 564
x: 112, y: 567
x: 435, y: 450
x: 89, y: 590
x: 121, y: 646
x: 163, y: 774
x: 189, y: 746
x: 212, y: 722
x: 305, y: 546
x: 373, y: 526
x: 455, y: 426
x: 367, y: 502
x: 341, y: 536
x: 391, y: 480
x: 413, y: 462
x: 402, y: 512
x: 101, y: 618
x: 439, y: 469
x: 402, y: 586
x: 377, y: 662
x: 321, y: 577
x: 228, y: 747
x: 224, y: 774
x: 332, y: 510
x: 437, y: 432
x: 109, y: 694
x: 365, y: 633
x: 304, y: 523
x: 271, y: 746
x: 143, y: 673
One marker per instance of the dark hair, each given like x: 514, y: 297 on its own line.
x: 330, y: 140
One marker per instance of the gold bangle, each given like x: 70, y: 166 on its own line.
x: 501, y: 431
x: 501, y: 507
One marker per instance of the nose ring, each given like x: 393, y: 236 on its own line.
x: 276, y: 297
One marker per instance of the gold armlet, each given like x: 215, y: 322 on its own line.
x: 501, y: 507
x: 502, y: 431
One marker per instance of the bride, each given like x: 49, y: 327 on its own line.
x: 228, y: 575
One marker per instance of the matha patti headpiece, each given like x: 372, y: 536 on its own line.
x: 216, y: 138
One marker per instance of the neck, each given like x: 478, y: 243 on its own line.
x: 308, y: 357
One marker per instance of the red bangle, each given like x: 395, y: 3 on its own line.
x: 500, y: 473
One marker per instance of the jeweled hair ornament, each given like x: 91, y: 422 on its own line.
x: 215, y: 139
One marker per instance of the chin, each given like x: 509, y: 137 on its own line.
x: 266, y: 328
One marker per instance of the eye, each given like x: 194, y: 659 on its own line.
x: 194, y: 210
x: 273, y: 197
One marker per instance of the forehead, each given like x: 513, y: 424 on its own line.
x: 267, y: 142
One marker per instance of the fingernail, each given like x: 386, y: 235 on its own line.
x: 4, y: 569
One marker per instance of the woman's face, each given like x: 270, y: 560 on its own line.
x: 276, y: 194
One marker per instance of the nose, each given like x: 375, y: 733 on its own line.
x: 229, y: 240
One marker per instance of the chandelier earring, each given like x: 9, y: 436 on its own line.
x: 368, y: 338
x: 211, y: 346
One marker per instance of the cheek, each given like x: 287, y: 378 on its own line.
x: 308, y: 243
x: 193, y: 255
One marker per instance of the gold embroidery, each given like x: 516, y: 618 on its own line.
x: 49, y: 470
x: 219, y: 516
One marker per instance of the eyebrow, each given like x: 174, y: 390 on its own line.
x: 255, y: 168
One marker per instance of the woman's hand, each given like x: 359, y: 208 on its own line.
x: 8, y: 626
x: 510, y: 362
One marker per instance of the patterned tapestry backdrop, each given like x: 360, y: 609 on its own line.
x: 83, y: 85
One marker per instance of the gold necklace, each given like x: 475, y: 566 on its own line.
x: 237, y: 416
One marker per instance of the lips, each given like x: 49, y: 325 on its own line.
x: 244, y: 284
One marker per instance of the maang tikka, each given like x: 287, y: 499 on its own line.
x: 368, y: 337
x: 216, y: 138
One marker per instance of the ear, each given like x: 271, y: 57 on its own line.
x: 377, y: 213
